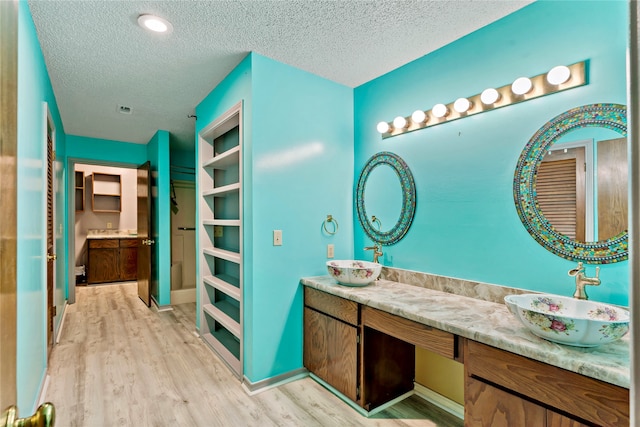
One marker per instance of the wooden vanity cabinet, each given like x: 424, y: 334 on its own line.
x: 331, y: 341
x: 505, y: 389
x: 112, y: 260
x: 369, y: 366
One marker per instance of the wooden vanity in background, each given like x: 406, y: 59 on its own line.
x: 368, y: 355
x: 112, y: 260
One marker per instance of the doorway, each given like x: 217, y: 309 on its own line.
x: 183, y: 242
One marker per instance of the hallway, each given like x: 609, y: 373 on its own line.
x: 119, y: 363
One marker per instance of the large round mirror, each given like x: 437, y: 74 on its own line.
x: 385, y: 198
x: 570, y: 185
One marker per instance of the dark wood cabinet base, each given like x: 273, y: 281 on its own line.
x: 112, y: 260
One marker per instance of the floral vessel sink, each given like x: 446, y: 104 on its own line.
x: 569, y: 321
x: 354, y: 273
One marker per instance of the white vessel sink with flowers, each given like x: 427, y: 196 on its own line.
x: 354, y: 273
x: 569, y: 321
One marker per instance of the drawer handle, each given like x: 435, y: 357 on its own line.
x: 148, y: 242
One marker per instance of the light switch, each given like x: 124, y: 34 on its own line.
x: 277, y: 237
x: 330, y: 250
x: 109, y: 225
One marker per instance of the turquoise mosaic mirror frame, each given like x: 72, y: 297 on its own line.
x: 408, y: 186
x: 610, y: 116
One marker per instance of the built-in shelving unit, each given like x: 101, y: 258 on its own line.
x: 79, y: 190
x: 106, y: 192
x: 220, y: 236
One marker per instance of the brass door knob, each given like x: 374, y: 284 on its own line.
x: 148, y: 242
x: 44, y: 417
x: 52, y: 257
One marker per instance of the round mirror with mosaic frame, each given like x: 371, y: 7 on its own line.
x: 371, y: 224
x: 525, y: 191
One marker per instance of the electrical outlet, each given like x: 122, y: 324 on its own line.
x: 109, y: 225
x: 218, y: 231
x: 277, y: 237
x: 330, y: 250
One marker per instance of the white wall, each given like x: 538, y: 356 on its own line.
x: 88, y: 220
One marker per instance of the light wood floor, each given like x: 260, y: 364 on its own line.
x: 119, y: 363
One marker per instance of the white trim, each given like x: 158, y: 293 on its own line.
x: 43, y: 391
x: 159, y: 307
x: 442, y: 402
x: 258, y: 387
x: 64, y: 316
x: 354, y: 405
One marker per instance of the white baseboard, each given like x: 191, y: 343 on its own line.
x: 182, y: 296
x: 64, y: 316
x: 269, y: 383
x: 439, y: 400
x: 43, y: 391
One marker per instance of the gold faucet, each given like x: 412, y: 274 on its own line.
x: 582, y: 280
x: 377, y: 251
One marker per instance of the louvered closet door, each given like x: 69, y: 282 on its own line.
x: 50, y: 249
x: 561, y: 194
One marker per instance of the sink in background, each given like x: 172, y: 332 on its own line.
x: 353, y: 272
x: 569, y: 321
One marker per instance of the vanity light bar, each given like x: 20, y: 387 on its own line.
x: 522, y: 89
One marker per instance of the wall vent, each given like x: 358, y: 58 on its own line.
x: 124, y: 109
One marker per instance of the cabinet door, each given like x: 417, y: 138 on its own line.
x: 485, y: 405
x: 103, y: 265
x: 128, y: 263
x: 330, y: 351
x: 557, y: 420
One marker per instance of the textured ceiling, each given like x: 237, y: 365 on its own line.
x: 98, y: 57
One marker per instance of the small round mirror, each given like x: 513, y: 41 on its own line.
x: 385, y: 198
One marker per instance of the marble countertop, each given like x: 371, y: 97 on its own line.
x: 486, y: 322
x: 111, y: 234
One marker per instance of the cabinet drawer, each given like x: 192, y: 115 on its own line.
x: 440, y: 342
x: 103, y: 243
x: 587, y: 398
x: 337, y: 307
x: 128, y: 243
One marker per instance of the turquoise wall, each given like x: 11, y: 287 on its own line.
x: 302, y: 171
x: 297, y: 169
x: 34, y: 89
x: 184, y: 161
x: 94, y: 150
x: 466, y: 224
x: 158, y: 155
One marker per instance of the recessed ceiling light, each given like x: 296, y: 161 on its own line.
x: 155, y: 23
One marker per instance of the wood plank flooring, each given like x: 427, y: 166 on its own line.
x: 120, y: 363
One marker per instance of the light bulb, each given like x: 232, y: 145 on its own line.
x: 383, y: 127
x: 399, y: 122
x: 521, y: 86
x: 489, y: 96
x: 418, y: 117
x: 462, y: 105
x: 155, y: 23
x: 558, y: 75
x: 439, y: 110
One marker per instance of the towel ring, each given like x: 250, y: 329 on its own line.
x: 333, y: 221
x: 375, y: 220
